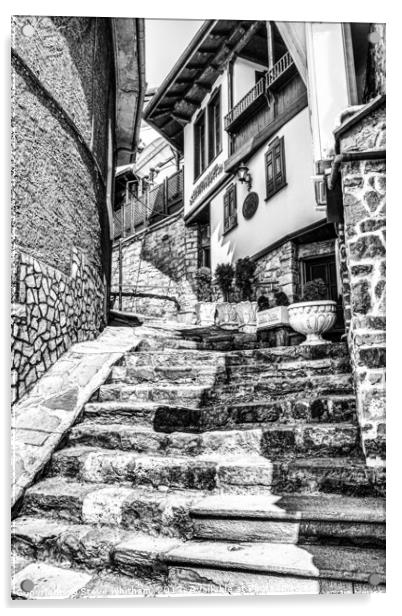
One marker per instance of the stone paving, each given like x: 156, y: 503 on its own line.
x: 258, y: 487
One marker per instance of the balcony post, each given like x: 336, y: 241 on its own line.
x: 270, y: 44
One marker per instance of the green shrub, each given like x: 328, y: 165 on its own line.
x: 281, y: 299
x: 203, y: 278
x: 315, y: 290
x: 262, y: 302
x: 224, y: 275
x: 245, y: 270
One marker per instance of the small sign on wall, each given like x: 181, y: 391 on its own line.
x: 250, y: 205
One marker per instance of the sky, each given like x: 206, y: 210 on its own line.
x: 165, y: 41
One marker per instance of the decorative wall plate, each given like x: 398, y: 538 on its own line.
x: 250, y: 205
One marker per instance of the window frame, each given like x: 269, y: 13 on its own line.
x: 278, y: 180
x: 229, y: 224
x: 200, y: 159
x: 214, y: 136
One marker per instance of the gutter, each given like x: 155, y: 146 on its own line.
x: 140, y: 28
x: 349, y: 157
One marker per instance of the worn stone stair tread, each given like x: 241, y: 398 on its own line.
x: 128, y: 437
x: 292, y: 507
x: 335, y: 562
x: 141, y: 508
x: 336, y: 349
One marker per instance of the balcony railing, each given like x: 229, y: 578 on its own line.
x: 255, y: 95
x: 161, y: 201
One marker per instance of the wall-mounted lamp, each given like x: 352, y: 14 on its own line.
x: 244, y: 175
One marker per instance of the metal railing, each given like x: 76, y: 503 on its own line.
x: 161, y: 201
x: 279, y: 68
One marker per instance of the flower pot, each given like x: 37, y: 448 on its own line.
x: 226, y: 315
x: 246, y: 316
x: 277, y: 316
x: 205, y: 313
x: 312, y: 319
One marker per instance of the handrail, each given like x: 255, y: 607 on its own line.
x: 274, y: 73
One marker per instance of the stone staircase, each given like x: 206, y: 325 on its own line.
x: 209, y: 465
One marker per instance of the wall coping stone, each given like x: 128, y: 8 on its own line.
x: 42, y: 417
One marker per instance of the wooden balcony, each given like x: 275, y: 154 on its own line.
x: 256, y: 97
x: 162, y: 201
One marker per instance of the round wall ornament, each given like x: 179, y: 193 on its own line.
x: 250, y: 205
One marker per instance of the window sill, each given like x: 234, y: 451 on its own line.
x: 230, y: 229
x: 275, y: 193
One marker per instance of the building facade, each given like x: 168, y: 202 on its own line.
x: 77, y: 91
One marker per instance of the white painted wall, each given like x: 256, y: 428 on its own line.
x: 244, y: 77
x: 189, y: 184
x: 327, y: 83
x: 292, y: 208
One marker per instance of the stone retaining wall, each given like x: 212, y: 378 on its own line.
x: 160, y: 261
x: 62, y: 68
x: 51, y: 311
x: 363, y: 185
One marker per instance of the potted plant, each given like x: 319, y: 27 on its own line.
x: 225, y: 311
x: 244, y: 280
x: 314, y: 314
x: 274, y: 317
x: 205, y: 308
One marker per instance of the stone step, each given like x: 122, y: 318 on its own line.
x: 154, y: 557
x: 340, y: 439
x: 222, y: 341
x: 308, y: 562
x: 317, y: 409
x: 142, y: 509
x: 62, y: 581
x: 347, y: 476
x: 260, y: 356
x: 95, y: 465
x: 279, y: 440
x: 170, y: 418
x: 126, y: 437
x: 213, y: 373
x: 92, y: 547
x: 199, y: 395
x: 326, y: 519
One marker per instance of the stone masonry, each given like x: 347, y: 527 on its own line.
x: 62, y: 68
x: 160, y: 261
x: 363, y: 185
x: 50, y: 312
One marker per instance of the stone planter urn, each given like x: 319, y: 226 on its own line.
x: 277, y: 316
x: 226, y: 315
x: 312, y: 319
x: 246, y: 316
x: 205, y: 313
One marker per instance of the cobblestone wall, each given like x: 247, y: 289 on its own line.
x: 161, y: 263
x: 278, y: 269
x: 364, y: 212
x: 62, y: 68
x: 51, y: 311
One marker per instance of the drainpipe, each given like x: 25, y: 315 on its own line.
x: 348, y: 157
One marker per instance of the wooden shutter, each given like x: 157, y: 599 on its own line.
x: 226, y: 213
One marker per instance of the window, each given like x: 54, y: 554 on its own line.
x: 229, y: 208
x: 199, y: 145
x: 214, y: 126
x: 275, y: 173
